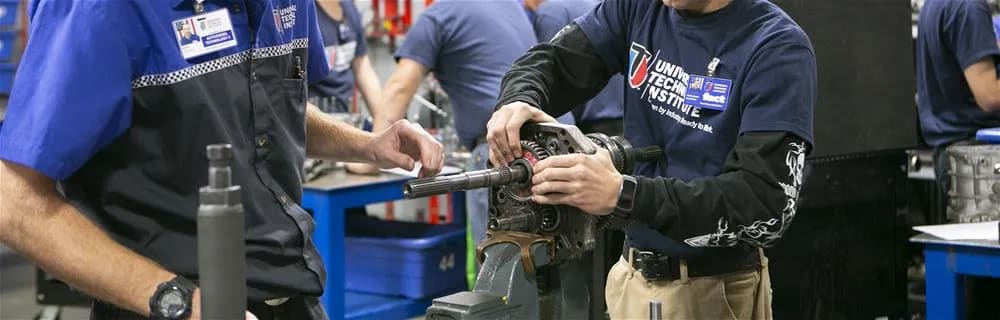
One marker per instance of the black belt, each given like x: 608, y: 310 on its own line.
x: 657, y: 267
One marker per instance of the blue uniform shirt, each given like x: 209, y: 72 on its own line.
x: 951, y: 36
x: 343, y: 41
x: 470, y: 45
x: 766, y: 55
x: 550, y: 17
x: 105, y: 103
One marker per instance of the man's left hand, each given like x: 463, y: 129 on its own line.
x: 588, y: 182
x: 402, y: 145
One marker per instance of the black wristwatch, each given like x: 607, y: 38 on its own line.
x: 172, y: 300
x: 621, y: 217
x: 626, y: 196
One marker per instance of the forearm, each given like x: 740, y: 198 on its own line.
x: 753, y: 201
x: 368, y: 83
x: 556, y: 76
x: 39, y: 224
x: 327, y: 138
x: 398, y: 93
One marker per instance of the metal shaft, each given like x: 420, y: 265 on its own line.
x: 655, y: 310
x: 221, y: 244
x: 419, y: 188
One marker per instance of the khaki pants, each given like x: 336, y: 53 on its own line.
x: 744, y: 295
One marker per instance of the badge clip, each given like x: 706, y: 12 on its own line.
x: 712, y: 66
x: 199, y: 6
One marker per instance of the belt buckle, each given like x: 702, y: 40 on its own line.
x: 643, y: 255
x: 651, y: 267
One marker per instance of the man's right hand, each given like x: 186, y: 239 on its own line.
x: 503, y: 131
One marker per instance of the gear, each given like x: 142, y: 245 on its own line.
x: 533, y: 151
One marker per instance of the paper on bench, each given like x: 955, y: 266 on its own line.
x: 962, y: 231
x: 413, y: 173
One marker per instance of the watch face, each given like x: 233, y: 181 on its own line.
x: 172, y: 303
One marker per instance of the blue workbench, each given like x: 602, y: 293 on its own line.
x: 948, y: 262
x: 328, y: 197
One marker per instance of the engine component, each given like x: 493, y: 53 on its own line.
x: 511, y: 209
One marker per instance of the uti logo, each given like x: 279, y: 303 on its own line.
x: 638, y: 65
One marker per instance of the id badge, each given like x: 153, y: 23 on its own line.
x: 204, y: 33
x: 708, y: 92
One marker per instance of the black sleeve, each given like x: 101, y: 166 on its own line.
x: 753, y: 200
x: 556, y: 76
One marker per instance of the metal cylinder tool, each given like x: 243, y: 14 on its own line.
x: 221, y: 244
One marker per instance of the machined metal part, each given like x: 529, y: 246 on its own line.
x: 425, y: 187
x: 975, y: 183
x: 221, y: 241
x: 655, y: 310
x: 511, y: 208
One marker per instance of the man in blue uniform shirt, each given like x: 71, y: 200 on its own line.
x: 468, y: 45
x: 957, y: 88
x: 347, y: 58
x: 726, y: 88
x: 603, y: 113
x: 120, y: 122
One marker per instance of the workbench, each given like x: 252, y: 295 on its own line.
x: 328, y: 197
x: 948, y: 262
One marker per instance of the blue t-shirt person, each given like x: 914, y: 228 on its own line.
x: 343, y: 41
x: 772, y: 71
x: 469, y: 45
x: 550, y: 17
x: 952, y: 35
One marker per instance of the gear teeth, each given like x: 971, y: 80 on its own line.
x: 535, y: 149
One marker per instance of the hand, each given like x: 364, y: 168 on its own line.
x: 588, y: 182
x: 196, y: 307
x: 361, y: 168
x: 503, y: 131
x: 402, y: 144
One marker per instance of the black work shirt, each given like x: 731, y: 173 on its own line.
x: 105, y: 103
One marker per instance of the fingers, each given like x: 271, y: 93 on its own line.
x: 429, y: 151
x: 398, y: 159
x: 560, y: 161
x: 496, y: 136
x: 513, y: 132
x: 557, y: 174
x: 552, y: 199
x: 548, y: 187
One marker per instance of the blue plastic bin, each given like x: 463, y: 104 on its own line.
x: 8, y: 13
x: 413, y: 260
x: 6, y: 77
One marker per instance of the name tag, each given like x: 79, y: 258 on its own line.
x: 708, y: 93
x: 205, y: 33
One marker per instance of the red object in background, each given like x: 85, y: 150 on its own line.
x: 392, y: 22
x: 433, y: 210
